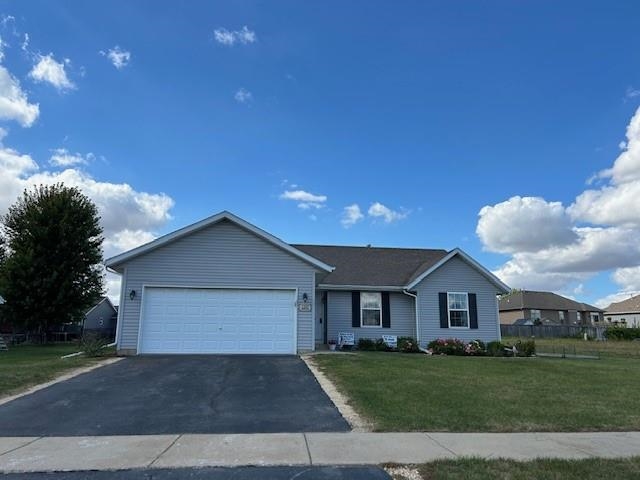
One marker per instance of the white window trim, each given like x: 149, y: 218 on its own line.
x: 466, y: 294
x: 371, y: 326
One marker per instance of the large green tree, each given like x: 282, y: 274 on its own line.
x: 51, y: 272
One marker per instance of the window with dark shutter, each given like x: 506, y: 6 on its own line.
x: 355, y: 309
x: 386, y: 310
x: 473, y: 311
x: 444, y: 310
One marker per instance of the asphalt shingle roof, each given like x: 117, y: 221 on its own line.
x: 630, y: 305
x: 526, y: 299
x: 373, y: 266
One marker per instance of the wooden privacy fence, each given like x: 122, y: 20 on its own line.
x: 552, y: 331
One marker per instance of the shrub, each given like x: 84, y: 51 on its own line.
x: 526, y: 348
x: 93, y: 345
x: 475, y: 348
x: 366, y: 344
x: 380, y: 346
x: 622, y: 333
x: 448, y: 346
x: 495, y: 349
x: 408, y: 345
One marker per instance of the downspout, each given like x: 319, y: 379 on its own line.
x: 120, y: 306
x: 415, y: 298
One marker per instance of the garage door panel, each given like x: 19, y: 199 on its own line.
x: 183, y: 320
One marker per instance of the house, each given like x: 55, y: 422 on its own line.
x: 223, y: 285
x: 101, y: 319
x: 625, y: 313
x: 526, y: 307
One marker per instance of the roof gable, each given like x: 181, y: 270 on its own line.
x: 118, y: 260
x: 104, y: 299
x: 423, y: 272
x: 630, y: 305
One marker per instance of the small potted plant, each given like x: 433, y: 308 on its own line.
x: 332, y: 345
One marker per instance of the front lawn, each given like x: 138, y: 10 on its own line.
x: 403, y: 392
x: 26, y: 365
x: 610, y: 348
x: 477, y: 469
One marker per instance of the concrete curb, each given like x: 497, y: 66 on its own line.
x: 65, y: 376
x: 357, y: 423
x: 44, y: 454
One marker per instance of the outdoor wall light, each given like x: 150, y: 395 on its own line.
x: 132, y: 294
x: 305, y: 297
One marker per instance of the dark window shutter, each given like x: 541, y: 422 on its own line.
x: 473, y: 311
x: 444, y: 310
x: 386, y: 311
x: 355, y: 309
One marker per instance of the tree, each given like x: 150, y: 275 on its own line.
x: 51, y: 272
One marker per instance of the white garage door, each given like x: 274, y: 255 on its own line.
x: 194, y: 320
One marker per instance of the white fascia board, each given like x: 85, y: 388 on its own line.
x: 113, y: 262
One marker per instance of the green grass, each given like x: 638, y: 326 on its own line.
x: 403, y: 392
x: 477, y: 469
x: 24, y: 366
x: 611, y: 348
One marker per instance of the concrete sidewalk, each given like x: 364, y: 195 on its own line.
x: 40, y: 454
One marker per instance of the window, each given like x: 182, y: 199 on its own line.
x: 458, y: 310
x: 595, y: 318
x: 535, y: 315
x: 561, y: 316
x: 578, y: 317
x: 370, y: 309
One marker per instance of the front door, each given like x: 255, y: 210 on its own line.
x: 320, y: 320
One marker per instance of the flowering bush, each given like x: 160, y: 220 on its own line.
x: 446, y: 346
x: 453, y: 346
x: 408, y: 345
x: 475, y: 348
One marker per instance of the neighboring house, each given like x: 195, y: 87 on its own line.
x: 101, y: 319
x: 526, y: 307
x: 223, y: 285
x: 625, y: 313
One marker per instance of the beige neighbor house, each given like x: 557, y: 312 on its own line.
x: 525, y: 307
x: 625, y: 313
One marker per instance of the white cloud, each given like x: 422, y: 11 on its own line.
x: 604, y: 302
x: 61, y: 157
x: 14, y: 104
x: 230, y: 38
x: 243, y: 96
x: 119, y: 58
x: 24, y: 46
x: 3, y: 45
x: 48, y: 70
x: 632, y: 93
x: 553, y: 247
x: 351, y: 215
x: 628, y: 278
x: 378, y: 210
x: 524, y: 224
x: 126, y: 240
x: 121, y: 207
x: 305, y: 200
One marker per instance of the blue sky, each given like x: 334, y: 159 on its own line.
x: 419, y: 113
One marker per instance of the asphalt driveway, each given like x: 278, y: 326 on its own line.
x: 178, y: 394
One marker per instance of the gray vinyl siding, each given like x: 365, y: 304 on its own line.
x: 221, y: 255
x: 403, y: 323
x: 103, y: 311
x: 457, y: 276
